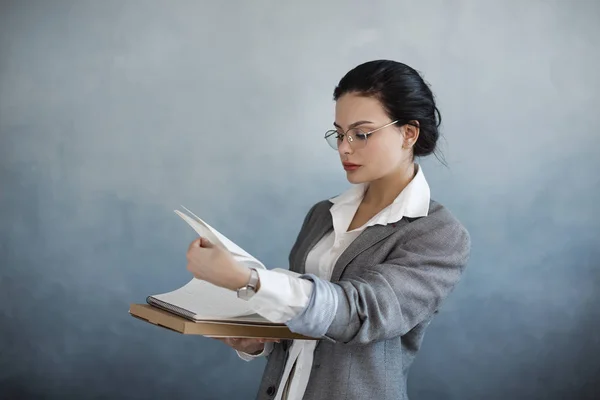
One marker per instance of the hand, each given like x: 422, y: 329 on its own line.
x: 216, y: 265
x: 248, y: 346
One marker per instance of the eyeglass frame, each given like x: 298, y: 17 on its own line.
x: 367, y: 134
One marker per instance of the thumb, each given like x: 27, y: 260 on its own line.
x: 204, y: 242
x: 195, y: 243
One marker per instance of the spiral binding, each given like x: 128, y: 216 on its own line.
x: 170, y: 307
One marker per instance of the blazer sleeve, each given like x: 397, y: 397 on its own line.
x: 389, y: 299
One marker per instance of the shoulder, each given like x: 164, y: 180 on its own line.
x: 320, y: 207
x: 439, y: 232
x: 317, y: 210
x: 441, y: 216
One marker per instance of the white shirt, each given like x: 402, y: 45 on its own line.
x: 283, y: 296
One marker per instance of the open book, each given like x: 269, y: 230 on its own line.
x: 199, y: 300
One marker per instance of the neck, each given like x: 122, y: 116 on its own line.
x: 383, y: 191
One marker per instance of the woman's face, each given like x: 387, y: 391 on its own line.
x: 383, y: 152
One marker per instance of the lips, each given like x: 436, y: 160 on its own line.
x: 350, y: 166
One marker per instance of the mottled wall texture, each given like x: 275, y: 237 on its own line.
x: 113, y: 113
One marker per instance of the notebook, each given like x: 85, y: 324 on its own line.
x: 199, y: 300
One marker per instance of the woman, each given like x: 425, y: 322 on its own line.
x: 373, y: 263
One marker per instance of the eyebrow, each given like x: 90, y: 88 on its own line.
x: 354, y: 124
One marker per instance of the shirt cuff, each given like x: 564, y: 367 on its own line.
x: 249, y: 357
x: 281, y: 296
x: 317, y: 317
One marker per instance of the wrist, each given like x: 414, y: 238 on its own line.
x: 240, y: 278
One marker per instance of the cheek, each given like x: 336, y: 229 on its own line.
x: 381, y: 157
x: 384, y: 149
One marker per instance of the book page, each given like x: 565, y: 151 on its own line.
x: 207, y: 301
x: 207, y: 231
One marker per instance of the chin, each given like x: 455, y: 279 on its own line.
x: 355, y: 178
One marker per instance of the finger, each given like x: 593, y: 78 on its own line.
x: 266, y: 340
x: 243, y: 342
x: 191, y: 268
x: 228, y: 341
x: 196, y: 276
x: 204, y: 242
x: 195, y: 243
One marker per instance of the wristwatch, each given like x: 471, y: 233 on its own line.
x: 246, y: 292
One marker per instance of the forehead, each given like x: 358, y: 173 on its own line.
x: 351, y: 107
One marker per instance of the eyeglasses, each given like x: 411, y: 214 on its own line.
x: 357, y: 137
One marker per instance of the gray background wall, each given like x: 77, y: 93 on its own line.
x: 113, y: 113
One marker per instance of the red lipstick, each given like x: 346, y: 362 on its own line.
x: 350, y: 167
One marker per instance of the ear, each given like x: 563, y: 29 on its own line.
x: 411, y: 134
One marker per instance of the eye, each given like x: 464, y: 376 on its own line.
x: 358, y: 134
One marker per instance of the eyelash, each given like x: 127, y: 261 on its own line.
x: 360, y: 136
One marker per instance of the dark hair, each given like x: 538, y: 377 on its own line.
x: 404, y: 95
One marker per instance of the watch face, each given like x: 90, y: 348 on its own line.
x: 245, y: 293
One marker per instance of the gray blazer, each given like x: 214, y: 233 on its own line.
x: 372, y: 315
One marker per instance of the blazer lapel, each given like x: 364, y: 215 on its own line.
x: 323, y: 224
x: 366, y: 239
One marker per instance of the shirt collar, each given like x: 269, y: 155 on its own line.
x: 412, y: 202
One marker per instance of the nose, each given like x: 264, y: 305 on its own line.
x: 344, y: 147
